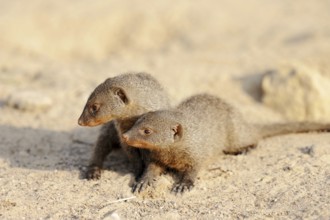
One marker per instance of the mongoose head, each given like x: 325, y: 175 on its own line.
x: 122, y: 96
x: 104, y: 104
x: 154, y: 130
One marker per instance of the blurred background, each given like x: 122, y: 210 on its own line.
x: 63, y: 49
x: 270, y: 59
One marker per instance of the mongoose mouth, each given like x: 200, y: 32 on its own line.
x: 90, y: 123
x: 140, y: 144
x: 94, y: 123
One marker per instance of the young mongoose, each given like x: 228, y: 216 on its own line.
x: 185, y: 138
x: 117, y: 103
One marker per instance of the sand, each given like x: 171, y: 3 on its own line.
x: 60, y: 51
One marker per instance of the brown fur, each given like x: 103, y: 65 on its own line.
x: 117, y: 103
x: 186, y: 138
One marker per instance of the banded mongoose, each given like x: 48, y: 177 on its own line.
x: 117, y: 103
x: 185, y: 138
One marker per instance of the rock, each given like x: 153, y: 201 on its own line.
x: 299, y: 93
x: 28, y: 101
x: 112, y: 215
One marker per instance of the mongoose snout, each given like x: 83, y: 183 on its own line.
x: 93, y: 114
x: 133, y: 141
x: 125, y: 137
x: 81, y: 122
x: 90, y: 122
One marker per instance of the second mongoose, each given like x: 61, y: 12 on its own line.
x: 116, y: 103
x: 186, y: 138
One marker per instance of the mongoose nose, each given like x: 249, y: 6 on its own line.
x: 80, y: 122
x: 125, y: 137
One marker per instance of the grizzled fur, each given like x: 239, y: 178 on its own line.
x: 184, y: 139
x: 116, y: 103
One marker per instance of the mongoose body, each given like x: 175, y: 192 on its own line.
x: 116, y: 103
x: 186, y: 138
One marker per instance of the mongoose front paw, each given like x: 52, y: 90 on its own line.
x: 93, y: 173
x: 142, y: 184
x: 182, y: 187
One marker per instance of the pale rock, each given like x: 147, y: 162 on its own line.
x: 112, y: 215
x: 298, y: 92
x: 28, y: 101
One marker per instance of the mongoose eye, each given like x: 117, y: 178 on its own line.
x: 146, y: 131
x: 94, y: 109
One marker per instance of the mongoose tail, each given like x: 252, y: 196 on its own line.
x: 291, y: 128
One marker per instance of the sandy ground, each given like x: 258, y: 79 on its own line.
x: 63, y: 49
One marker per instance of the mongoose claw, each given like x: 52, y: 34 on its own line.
x: 141, y: 185
x: 180, y: 188
x: 93, y: 173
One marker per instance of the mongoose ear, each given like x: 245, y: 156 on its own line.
x: 177, y: 129
x: 121, y: 94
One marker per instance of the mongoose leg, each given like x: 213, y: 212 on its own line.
x: 133, y: 154
x: 185, y: 183
x: 106, y: 142
x: 148, y: 178
x: 119, y: 101
x: 135, y: 158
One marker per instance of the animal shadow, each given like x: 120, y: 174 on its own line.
x: 251, y: 84
x: 43, y: 149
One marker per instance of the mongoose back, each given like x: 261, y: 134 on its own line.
x: 116, y: 103
x: 184, y: 139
